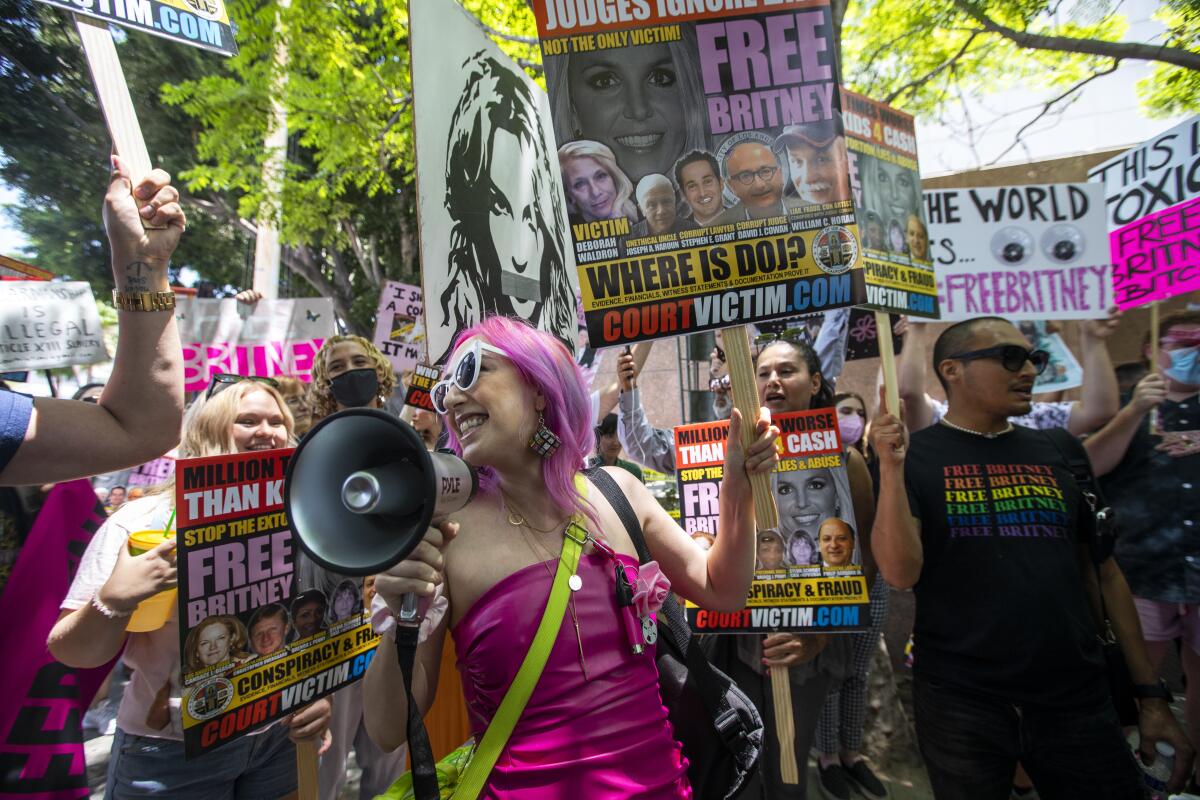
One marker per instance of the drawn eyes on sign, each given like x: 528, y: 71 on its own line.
x: 1062, y: 243
x: 1012, y: 246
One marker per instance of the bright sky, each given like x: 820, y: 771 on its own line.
x: 1105, y: 116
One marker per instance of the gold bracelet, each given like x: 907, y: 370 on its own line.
x: 144, y: 301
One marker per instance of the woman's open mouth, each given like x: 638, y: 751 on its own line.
x: 639, y: 141
x: 467, y: 424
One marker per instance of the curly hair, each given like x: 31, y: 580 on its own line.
x: 237, y: 641
x: 320, y: 392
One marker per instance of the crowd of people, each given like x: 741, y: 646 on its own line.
x: 993, y: 508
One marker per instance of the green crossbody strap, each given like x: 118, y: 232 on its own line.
x: 498, y: 732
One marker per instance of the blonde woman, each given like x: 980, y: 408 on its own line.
x: 596, y: 186
x: 148, y: 747
x: 216, y: 640
x: 349, y: 372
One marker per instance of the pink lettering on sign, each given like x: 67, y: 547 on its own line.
x: 1157, y: 256
x: 266, y: 359
x: 1027, y: 293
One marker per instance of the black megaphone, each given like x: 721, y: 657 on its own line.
x: 361, y: 490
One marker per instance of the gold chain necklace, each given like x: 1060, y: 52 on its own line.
x: 520, y: 523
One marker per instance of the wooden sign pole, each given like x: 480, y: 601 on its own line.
x: 113, y: 94
x: 887, y: 355
x: 306, y: 770
x: 745, y: 399
x: 1154, y: 428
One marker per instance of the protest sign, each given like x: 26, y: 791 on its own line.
x: 886, y: 184
x: 41, y: 736
x: 695, y: 164
x: 280, y: 337
x: 201, y: 23
x: 1063, y: 370
x: 808, y: 575
x: 46, y: 325
x: 1020, y: 252
x: 492, y: 218
x: 152, y: 472
x: 1152, y: 196
x: 253, y: 648
x: 400, y: 325
x: 419, y: 386
x: 862, y: 335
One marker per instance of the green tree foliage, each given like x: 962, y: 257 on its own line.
x: 55, y: 148
x: 1171, y: 89
x: 925, y: 55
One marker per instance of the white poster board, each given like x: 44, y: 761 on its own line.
x: 1152, y: 197
x: 46, y: 325
x: 277, y: 337
x: 493, y: 220
x: 400, y: 325
x: 1020, y: 252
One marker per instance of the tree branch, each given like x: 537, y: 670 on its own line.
x: 508, y: 37
x: 1048, y: 105
x: 1096, y: 47
x: 949, y: 63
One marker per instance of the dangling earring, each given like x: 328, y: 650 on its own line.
x: 544, y: 441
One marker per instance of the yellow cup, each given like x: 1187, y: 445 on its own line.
x: 153, y: 612
x: 145, y: 541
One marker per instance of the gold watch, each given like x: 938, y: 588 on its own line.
x: 144, y: 301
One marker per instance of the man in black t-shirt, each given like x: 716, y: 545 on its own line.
x: 985, y: 521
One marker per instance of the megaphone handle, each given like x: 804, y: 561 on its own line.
x: 424, y: 771
x: 410, y: 610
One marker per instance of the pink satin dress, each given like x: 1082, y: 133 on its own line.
x: 603, y: 736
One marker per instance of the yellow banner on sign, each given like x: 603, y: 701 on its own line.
x: 209, y: 9
x: 697, y: 270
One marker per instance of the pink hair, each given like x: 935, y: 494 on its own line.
x: 544, y: 363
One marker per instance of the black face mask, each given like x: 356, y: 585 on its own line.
x: 356, y: 388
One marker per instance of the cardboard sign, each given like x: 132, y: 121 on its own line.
x: 279, y: 337
x: 492, y: 218
x: 46, y: 325
x: 1152, y: 194
x: 41, y: 741
x: 886, y: 182
x: 419, y: 387
x: 862, y: 336
x: 200, y: 23
x: 253, y: 648
x: 704, y: 164
x: 152, y: 472
x: 400, y: 325
x: 808, y: 576
x: 1020, y: 252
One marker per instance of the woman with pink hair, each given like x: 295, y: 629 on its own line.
x: 517, y: 409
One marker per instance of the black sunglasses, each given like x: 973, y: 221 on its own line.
x: 1011, y: 356
x: 786, y: 335
x: 223, y: 380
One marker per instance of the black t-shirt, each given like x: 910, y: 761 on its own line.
x: 1001, y: 606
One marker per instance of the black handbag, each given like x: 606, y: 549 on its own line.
x: 1104, y: 536
x: 720, y: 729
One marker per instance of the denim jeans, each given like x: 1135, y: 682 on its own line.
x: 259, y: 767
x: 972, y: 743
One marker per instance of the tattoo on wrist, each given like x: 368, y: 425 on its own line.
x: 137, y: 277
